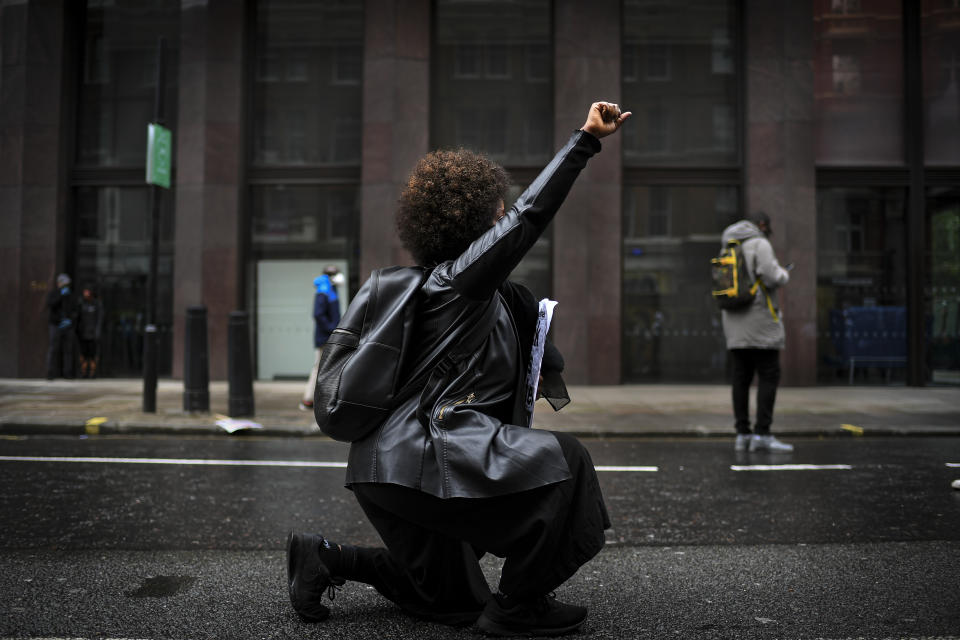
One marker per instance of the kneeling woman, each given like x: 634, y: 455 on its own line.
x: 454, y: 472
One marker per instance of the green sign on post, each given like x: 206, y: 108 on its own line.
x: 159, y: 153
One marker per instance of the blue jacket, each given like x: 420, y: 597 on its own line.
x: 326, y: 317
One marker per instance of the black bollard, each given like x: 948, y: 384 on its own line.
x: 150, y: 369
x: 196, y: 370
x: 239, y: 373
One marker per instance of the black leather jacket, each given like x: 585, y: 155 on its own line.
x: 461, y: 436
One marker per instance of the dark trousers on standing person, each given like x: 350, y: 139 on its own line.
x: 765, y: 364
x: 430, y: 564
x: 61, y: 352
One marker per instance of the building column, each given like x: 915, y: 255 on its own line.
x: 587, y: 230
x: 32, y: 178
x: 210, y: 158
x: 396, y: 126
x: 780, y: 163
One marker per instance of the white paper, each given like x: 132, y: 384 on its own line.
x: 232, y: 425
x: 544, y: 317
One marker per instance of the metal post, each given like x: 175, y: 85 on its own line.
x: 916, y: 222
x: 239, y: 374
x: 150, y: 331
x: 196, y: 370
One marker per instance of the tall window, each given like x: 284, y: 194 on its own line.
x: 493, y: 80
x: 682, y: 183
x: 861, y: 284
x: 943, y: 220
x: 869, y: 174
x: 941, y: 77
x: 304, y: 171
x: 309, y: 64
x: 941, y: 82
x: 305, y: 165
x: 492, y: 75
x: 862, y: 210
x: 680, y: 79
x: 111, y: 204
x: 858, y: 86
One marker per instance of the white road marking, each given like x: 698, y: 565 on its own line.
x: 318, y: 464
x: 183, y: 461
x: 789, y: 467
x: 238, y: 463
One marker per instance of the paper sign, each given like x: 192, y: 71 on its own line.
x: 544, y: 317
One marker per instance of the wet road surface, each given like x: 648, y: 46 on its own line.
x: 141, y: 537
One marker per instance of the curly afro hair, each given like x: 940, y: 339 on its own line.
x: 449, y: 201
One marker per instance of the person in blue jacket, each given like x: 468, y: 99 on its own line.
x: 326, y: 317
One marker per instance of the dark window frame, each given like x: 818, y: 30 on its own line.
x: 697, y: 176
x: 520, y: 175
x: 78, y: 175
x: 914, y: 176
x: 263, y: 175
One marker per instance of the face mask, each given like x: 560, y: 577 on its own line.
x: 338, y: 279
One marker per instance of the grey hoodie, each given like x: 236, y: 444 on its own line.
x: 756, y: 327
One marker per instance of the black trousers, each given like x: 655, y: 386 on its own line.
x: 765, y: 363
x: 430, y: 564
x: 61, y: 352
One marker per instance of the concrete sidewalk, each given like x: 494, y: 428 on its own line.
x: 110, y: 406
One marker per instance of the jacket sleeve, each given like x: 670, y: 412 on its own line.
x: 488, y: 261
x: 768, y: 269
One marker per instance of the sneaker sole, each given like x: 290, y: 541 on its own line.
x: 491, y: 628
x: 312, y: 612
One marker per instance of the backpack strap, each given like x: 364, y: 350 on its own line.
x: 766, y: 294
x: 758, y: 282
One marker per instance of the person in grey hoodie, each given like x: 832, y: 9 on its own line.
x: 755, y: 336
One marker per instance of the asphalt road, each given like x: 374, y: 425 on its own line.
x: 137, y: 537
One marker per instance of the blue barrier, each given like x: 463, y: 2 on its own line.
x: 870, y: 336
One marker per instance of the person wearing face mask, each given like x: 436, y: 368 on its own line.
x: 62, y: 311
x: 326, y: 316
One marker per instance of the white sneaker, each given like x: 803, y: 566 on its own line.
x: 769, y: 443
x: 743, y: 441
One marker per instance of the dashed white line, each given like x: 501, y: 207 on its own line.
x: 790, y: 467
x: 320, y: 464
x: 182, y: 461
x: 237, y: 463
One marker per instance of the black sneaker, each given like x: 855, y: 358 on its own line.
x: 308, y: 577
x: 543, y: 616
